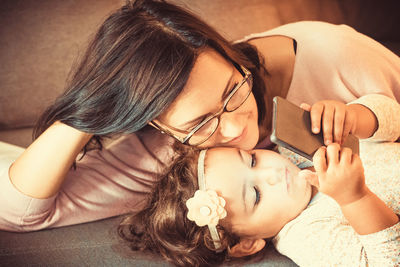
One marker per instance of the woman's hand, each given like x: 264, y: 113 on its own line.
x: 340, y: 174
x: 338, y: 120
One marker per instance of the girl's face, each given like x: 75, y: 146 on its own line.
x: 262, y: 189
x: 211, y: 79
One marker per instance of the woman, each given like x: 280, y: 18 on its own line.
x: 152, y: 63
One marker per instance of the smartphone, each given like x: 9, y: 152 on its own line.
x: 291, y: 128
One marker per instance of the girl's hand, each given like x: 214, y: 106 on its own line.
x: 338, y: 120
x: 340, y: 174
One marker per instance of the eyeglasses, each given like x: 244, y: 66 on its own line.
x: 207, y: 127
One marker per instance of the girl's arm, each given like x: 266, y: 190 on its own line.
x: 341, y: 176
x: 369, y: 214
x: 41, y: 169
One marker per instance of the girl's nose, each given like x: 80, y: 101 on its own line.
x: 272, y: 176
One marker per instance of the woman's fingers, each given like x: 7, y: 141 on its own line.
x: 336, y: 120
x: 316, y: 115
x: 327, y: 123
x: 349, y: 124
x: 340, y: 113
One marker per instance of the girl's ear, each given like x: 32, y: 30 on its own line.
x: 247, y: 247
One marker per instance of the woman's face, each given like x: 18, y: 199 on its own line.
x: 262, y: 189
x: 211, y: 78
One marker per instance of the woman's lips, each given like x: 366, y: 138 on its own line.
x: 240, y: 137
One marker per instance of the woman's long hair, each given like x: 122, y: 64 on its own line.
x: 137, y: 64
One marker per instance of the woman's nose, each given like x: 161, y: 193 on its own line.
x: 230, y: 125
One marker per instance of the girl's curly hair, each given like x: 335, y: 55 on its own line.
x: 162, y: 226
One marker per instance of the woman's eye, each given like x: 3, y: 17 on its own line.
x: 253, y: 160
x: 258, y: 196
x: 233, y: 87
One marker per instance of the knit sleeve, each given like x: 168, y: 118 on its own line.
x: 387, y: 112
x: 106, y: 183
x: 321, y: 236
x: 383, y: 247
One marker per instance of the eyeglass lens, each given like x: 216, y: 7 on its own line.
x: 236, y: 100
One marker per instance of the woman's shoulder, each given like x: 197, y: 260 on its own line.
x: 327, y: 43
x: 304, y: 31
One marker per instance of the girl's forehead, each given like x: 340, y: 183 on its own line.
x: 221, y: 164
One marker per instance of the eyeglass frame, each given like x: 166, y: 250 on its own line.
x: 184, y: 140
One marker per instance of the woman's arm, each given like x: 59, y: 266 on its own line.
x: 386, y: 111
x: 105, y: 183
x: 41, y: 169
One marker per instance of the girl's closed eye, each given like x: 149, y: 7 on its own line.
x: 258, y: 195
x: 253, y: 160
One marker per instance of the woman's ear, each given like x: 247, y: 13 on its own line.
x: 247, y: 247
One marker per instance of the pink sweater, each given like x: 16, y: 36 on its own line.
x: 332, y: 62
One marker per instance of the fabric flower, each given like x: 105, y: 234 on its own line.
x: 206, y: 208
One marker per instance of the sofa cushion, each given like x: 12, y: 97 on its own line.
x: 90, y: 244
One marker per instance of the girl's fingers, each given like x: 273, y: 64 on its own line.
x: 310, y: 177
x: 340, y: 114
x: 346, y: 155
x: 327, y: 123
x: 305, y: 106
x: 319, y: 160
x: 332, y: 154
x: 316, y: 115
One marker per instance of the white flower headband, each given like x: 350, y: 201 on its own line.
x: 206, y: 207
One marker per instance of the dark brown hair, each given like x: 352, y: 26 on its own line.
x: 162, y: 226
x: 136, y: 65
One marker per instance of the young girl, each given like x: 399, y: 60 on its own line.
x: 153, y: 67
x: 227, y: 202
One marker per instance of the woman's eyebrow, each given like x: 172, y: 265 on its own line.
x: 228, y: 88
x: 225, y: 94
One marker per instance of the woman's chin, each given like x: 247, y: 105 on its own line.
x: 251, y: 140
x: 248, y: 144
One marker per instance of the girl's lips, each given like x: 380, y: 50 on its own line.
x: 241, y: 137
x: 287, y: 179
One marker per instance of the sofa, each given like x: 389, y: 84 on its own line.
x: 41, y: 40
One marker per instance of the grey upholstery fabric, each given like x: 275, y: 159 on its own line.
x: 89, y: 244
